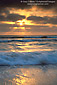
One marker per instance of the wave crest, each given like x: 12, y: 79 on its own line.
x: 29, y: 58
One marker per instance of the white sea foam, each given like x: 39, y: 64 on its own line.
x: 29, y: 58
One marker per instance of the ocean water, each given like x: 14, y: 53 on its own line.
x: 28, y: 50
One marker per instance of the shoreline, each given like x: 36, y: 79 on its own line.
x: 28, y: 75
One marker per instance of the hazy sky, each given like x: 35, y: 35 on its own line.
x: 18, y: 18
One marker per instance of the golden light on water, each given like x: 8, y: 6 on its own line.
x: 25, y: 78
x: 20, y: 79
x: 27, y: 47
x: 34, y: 76
x: 29, y: 75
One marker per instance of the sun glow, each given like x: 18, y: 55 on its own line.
x: 21, y: 23
x: 24, y: 22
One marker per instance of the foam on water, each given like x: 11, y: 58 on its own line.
x: 29, y: 50
x: 29, y: 58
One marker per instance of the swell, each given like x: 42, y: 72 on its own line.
x: 27, y: 40
x: 55, y: 36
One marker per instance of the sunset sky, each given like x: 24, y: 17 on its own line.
x: 18, y: 18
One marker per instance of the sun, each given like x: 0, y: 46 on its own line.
x: 21, y: 23
x: 24, y: 22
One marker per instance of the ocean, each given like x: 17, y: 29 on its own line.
x: 28, y: 50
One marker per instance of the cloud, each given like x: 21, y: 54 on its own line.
x: 4, y: 10
x: 43, y: 20
x: 11, y: 17
x: 7, y: 27
x: 41, y: 15
x: 18, y: 4
x: 53, y: 20
x: 15, y: 17
x: 5, y: 4
x: 2, y: 18
x: 41, y: 29
x: 4, y: 28
x: 50, y: 6
x: 33, y: 29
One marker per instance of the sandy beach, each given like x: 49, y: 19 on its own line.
x: 28, y: 75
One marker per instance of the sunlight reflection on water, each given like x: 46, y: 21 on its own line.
x: 33, y: 75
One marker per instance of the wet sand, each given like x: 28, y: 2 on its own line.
x: 28, y: 75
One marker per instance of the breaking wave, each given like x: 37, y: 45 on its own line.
x: 29, y: 58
